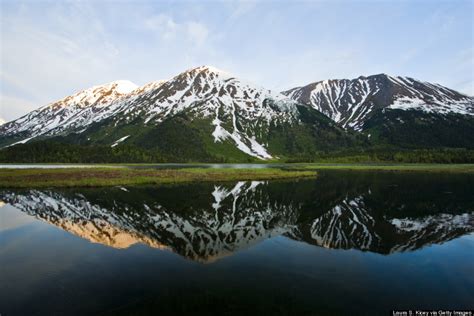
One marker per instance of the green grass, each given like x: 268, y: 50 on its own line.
x: 453, y: 168
x: 94, y: 177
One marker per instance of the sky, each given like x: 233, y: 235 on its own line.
x: 49, y: 50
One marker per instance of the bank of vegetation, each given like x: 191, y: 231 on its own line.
x: 112, y: 176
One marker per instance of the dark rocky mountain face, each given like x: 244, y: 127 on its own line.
x: 352, y: 102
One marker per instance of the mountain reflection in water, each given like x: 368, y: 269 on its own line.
x: 204, y: 222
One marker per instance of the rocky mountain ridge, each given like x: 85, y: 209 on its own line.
x: 352, y: 102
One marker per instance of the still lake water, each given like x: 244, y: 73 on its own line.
x: 148, y: 166
x: 359, y: 242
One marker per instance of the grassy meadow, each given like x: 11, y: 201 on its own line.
x: 93, y: 177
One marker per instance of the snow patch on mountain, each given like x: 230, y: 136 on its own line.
x: 124, y: 86
x: 235, y: 107
x: 118, y: 141
x: 407, y: 103
x: 69, y: 113
x: 208, y: 92
x: 23, y: 141
x: 351, y: 102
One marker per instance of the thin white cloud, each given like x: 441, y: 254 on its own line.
x: 197, y: 32
x: 162, y: 24
x: 167, y: 28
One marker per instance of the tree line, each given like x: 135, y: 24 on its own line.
x: 57, y: 152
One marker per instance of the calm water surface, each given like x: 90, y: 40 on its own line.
x: 347, y: 241
x: 147, y: 166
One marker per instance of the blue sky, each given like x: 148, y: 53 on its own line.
x: 50, y: 50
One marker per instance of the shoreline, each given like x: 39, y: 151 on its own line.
x: 126, y: 174
x: 252, y: 165
x: 100, y: 177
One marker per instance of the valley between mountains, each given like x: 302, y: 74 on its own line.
x: 208, y: 115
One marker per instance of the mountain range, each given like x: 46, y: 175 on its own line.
x: 205, y: 114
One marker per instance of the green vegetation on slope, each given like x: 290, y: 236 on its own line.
x: 317, y: 134
x: 53, y: 151
x: 390, y: 136
x: 417, y: 129
x: 57, y: 152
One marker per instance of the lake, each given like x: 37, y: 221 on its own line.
x: 148, y: 166
x: 359, y: 242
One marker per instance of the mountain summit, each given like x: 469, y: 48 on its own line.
x: 234, y: 107
x: 352, y: 102
x: 203, y: 113
x: 75, y: 111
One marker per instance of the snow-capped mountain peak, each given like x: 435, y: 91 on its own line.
x: 147, y: 87
x: 238, y: 111
x: 99, y: 95
x: 124, y: 86
x: 352, y: 102
x: 68, y: 113
x: 209, y: 93
x: 209, y: 69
